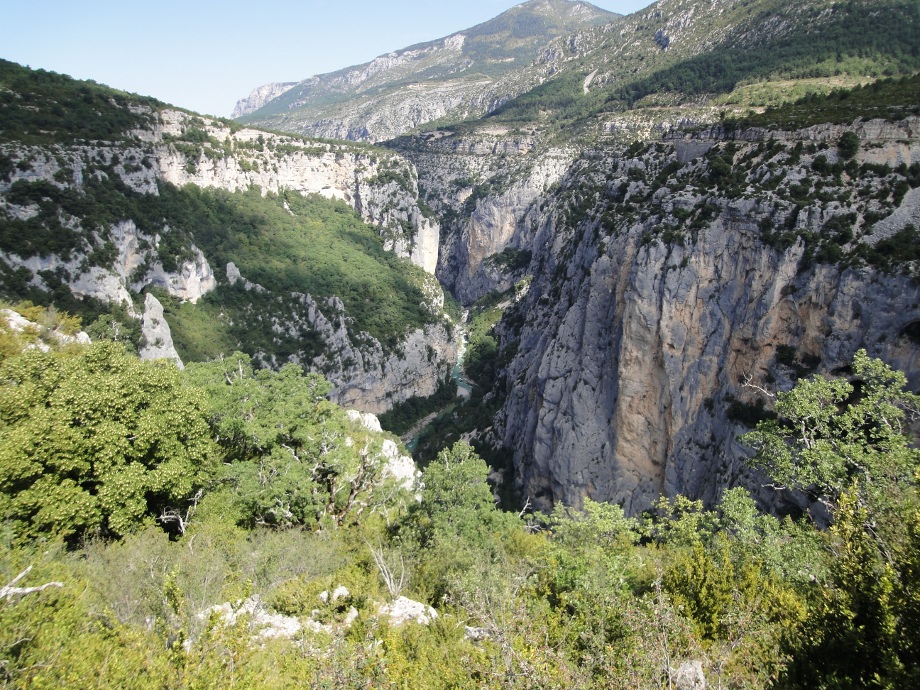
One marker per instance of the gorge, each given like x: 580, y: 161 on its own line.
x: 585, y: 353
x: 660, y: 261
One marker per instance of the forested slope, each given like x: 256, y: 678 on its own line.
x: 290, y: 249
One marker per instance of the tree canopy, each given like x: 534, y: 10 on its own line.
x: 96, y: 441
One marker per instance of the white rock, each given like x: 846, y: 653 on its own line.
x: 368, y: 420
x: 400, y: 467
x: 405, y: 610
x: 157, y: 335
x: 476, y: 634
x: 267, y: 625
x: 17, y: 323
x: 689, y: 676
x: 350, y: 617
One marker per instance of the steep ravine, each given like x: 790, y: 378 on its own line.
x: 183, y: 149
x: 661, y: 282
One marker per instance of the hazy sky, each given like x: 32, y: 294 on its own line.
x: 206, y: 55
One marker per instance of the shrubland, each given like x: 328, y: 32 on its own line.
x: 135, y: 497
x: 746, y: 54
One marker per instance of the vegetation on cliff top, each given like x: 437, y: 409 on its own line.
x: 889, y: 99
x: 39, y: 107
x: 763, y: 44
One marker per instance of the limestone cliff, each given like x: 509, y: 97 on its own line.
x: 259, y: 97
x: 382, y: 187
x: 364, y: 375
x: 110, y: 249
x: 482, y: 185
x: 666, y: 275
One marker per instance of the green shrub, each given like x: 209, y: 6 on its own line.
x: 96, y: 442
x: 848, y: 146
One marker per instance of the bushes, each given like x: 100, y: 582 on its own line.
x: 848, y: 146
x: 95, y: 442
x: 586, y: 599
x: 323, y: 249
x: 888, y: 254
x: 42, y: 107
x: 892, y: 99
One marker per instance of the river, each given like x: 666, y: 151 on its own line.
x: 464, y: 390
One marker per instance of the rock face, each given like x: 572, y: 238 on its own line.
x: 381, y: 187
x: 365, y: 376
x: 487, y: 183
x: 658, y: 288
x: 259, y: 97
x: 626, y: 382
x: 158, y: 343
x: 135, y: 266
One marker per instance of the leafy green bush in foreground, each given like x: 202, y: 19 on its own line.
x: 583, y: 597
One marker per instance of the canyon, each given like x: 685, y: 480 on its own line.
x: 661, y: 266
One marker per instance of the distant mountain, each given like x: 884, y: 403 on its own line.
x: 550, y: 65
x: 454, y: 77
x: 706, y: 57
x: 260, y: 96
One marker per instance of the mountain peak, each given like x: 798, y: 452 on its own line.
x: 448, y: 77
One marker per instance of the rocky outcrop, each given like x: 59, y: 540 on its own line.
x: 404, y: 610
x: 263, y: 623
x: 399, y: 467
x: 32, y: 335
x: 657, y: 291
x: 157, y: 340
x: 259, y: 97
x: 365, y: 376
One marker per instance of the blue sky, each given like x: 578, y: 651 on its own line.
x: 206, y: 55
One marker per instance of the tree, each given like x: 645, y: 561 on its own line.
x: 296, y: 458
x: 456, y: 526
x: 96, y: 442
x: 848, y: 146
x: 457, y: 502
x: 847, y: 444
x: 833, y: 437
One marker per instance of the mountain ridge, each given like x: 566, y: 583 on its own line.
x: 454, y: 72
